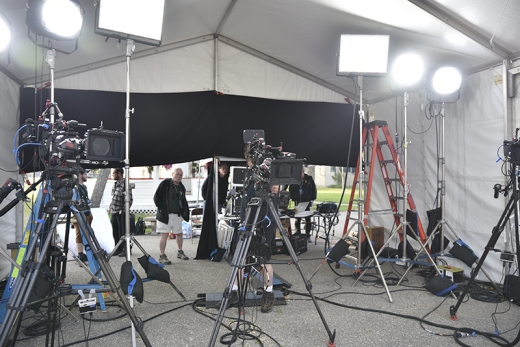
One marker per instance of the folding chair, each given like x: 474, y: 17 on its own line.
x: 195, y: 222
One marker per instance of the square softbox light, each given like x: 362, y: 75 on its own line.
x: 139, y: 20
x: 365, y: 55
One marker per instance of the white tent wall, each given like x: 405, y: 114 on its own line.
x: 474, y: 125
x: 474, y: 129
x: 10, y: 223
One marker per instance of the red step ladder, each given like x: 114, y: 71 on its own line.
x: 375, y: 149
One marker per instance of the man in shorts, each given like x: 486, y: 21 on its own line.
x: 172, y: 209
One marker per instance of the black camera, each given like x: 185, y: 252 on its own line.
x: 61, y: 149
x: 512, y: 151
x: 59, y: 142
x: 270, y: 164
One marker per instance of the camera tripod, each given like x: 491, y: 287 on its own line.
x: 254, y: 208
x: 511, y: 207
x: 19, y: 300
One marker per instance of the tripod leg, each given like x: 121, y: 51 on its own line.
x: 308, y: 284
x: 495, y: 234
x: 392, y: 234
x: 245, y: 235
x: 100, y: 255
x: 27, y: 279
x: 378, y: 266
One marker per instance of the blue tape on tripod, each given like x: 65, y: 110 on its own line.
x: 132, y: 283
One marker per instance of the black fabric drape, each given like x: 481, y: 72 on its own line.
x: 169, y: 128
x: 208, y: 235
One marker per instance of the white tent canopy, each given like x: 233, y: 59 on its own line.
x: 286, y: 49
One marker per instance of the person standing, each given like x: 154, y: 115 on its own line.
x: 223, y: 182
x: 304, y: 192
x: 117, y: 209
x: 172, y: 209
x: 85, y: 203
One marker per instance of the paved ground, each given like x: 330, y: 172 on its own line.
x: 361, y: 314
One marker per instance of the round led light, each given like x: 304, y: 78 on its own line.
x: 408, y: 69
x: 62, y: 17
x: 5, y: 35
x: 446, y: 80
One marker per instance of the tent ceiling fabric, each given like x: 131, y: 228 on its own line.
x: 302, y: 33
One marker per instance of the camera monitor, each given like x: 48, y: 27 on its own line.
x: 286, y: 171
x: 249, y: 134
x: 238, y: 174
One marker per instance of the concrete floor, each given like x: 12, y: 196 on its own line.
x: 360, y: 315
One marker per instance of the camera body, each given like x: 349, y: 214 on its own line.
x: 61, y: 150
x: 512, y: 151
x: 270, y: 165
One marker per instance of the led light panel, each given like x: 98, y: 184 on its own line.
x: 139, y: 20
x: 365, y: 55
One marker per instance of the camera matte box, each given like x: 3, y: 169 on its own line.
x: 105, y: 145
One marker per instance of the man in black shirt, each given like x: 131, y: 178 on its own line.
x: 223, y: 177
x: 172, y: 209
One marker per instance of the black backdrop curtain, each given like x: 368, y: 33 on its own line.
x: 173, y: 128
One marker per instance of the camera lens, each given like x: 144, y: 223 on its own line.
x: 100, y: 146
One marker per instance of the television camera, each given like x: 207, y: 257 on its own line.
x: 512, y: 151
x: 61, y: 150
x: 270, y: 165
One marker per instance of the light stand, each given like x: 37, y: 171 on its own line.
x: 362, y: 231
x: 406, y: 188
x: 440, y: 227
x: 50, y: 59
x: 405, y: 225
x: 359, y: 56
x: 142, y: 23
x: 129, y: 50
x: 47, y: 221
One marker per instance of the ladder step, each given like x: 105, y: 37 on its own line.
x: 381, y: 143
x: 388, y: 161
x: 396, y: 197
x: 393, y: 180
x: 388, y: 211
